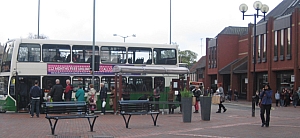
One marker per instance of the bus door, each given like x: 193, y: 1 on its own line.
x: 23, y: 92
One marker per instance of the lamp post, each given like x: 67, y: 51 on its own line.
x: 124, y: 37
x: 38, y: 33
x: 93, y: 56
x: 264, y: 9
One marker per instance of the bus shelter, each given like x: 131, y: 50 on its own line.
x: 127, y: 70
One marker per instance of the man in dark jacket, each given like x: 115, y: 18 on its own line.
x: 197, y: 92
x: 35, y: 93
x: 103, y: 95
x: 57, y: 91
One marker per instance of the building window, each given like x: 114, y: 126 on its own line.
x: 264, y: 44
x: 289, y: 46
x: 275, y: 46
x: 259, y: 49
x: 215, y: 55
x: 281, y: 44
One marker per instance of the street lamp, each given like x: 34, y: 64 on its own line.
x: 264, y: 9
x: 124, y: 37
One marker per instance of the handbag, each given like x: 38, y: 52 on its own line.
x: 216, y: 99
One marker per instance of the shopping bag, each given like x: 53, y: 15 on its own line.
x: 216, y: 99
x: 103, y: 104
x: 194, y: 100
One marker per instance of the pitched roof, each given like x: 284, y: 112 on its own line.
x: 283, y: 8
x: 235, y: 30
x: 199, y: 64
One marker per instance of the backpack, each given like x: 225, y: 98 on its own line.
x: 92, y: 99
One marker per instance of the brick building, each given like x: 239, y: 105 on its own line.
x: 197, y: 71
x: 229, y: 57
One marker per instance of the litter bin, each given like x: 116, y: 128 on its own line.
x: 205, y: 102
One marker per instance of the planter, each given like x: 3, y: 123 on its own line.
x: 205, y: 102
x: 186, y: 109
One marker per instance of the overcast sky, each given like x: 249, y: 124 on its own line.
x: 148, y: 19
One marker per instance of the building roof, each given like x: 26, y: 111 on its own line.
x: 242, y: 68
x: 284, y: 8
x: 235, y: 30
x: 199, y: 64
x: 227, y: 68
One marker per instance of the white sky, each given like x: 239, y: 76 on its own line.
x: 148, y: 19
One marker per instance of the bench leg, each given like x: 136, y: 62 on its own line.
x: 92, y: 124
x: 51, y: 126
x: 126, y: 121
x: 154, y: 119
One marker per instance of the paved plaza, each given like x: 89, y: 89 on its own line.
x: 235, y: 123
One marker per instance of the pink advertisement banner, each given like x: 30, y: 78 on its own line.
x: 78, y: 69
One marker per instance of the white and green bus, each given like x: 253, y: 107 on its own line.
x: 27, y: 60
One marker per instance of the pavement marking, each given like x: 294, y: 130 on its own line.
x: 207, y: 136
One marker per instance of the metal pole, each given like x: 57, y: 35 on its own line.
x: 93, y: 56
x: 170, y: 23
x: 254, y: 63
x: 124, y: 39
x: 38, y: 33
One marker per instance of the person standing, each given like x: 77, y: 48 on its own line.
x: 229, y: 95
x: 68, y: 91
x: 35, y: 93
x: 220, y: 91
x: 103, y: 95
x: 156, y: 94
x: 277, y: 98
x: 197, y: 92
x: 170, y: 100
x: 112, y: 97
x: 236, y: 95
x: 266, y: 103
x: 56, y: 91
x: 295, y: 98
x: 91, y: 98
x: 79, y: 94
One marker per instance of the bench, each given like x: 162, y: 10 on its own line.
x: 136, y: 107
x: 73, y: 110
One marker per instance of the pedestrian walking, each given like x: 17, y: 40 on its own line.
x: 295, y: 98
x: 103, y: 96
x: 277, y: 98
x: 266, y: 103
x: 196, y: 93
x: 35, y: 94
x: 220, y: 91
x: 56, y: 91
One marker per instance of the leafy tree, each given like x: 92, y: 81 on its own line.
x: 35, y: 36
x: 187, y: 56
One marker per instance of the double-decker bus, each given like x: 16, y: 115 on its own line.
x: 27, y: 60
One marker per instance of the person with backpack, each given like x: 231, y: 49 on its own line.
x: 35, y: 94
x: 91, y: 98
x: 68, y: 91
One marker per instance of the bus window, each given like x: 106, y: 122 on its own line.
x: 82, y: 54
x: 139, y: 55
x: 29, y: 52
x: 7, y: 56
x: 140, y: 84
x: 12, y: 87
x: 55, y: 52
x: 3, y: 85
x: 110, y: 81
x: 163, y: 56
x: 113, y: 54
x: 85, y: 82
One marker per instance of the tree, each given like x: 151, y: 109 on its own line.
x: 187, y: 56
x: 35, y: 36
